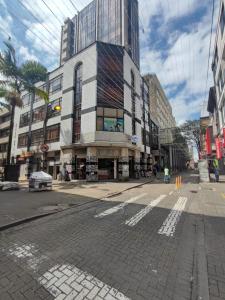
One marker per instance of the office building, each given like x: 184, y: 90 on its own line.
x: 4, y: 136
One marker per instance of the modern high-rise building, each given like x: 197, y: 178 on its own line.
x: 114, y: 22
x: 102, y: 130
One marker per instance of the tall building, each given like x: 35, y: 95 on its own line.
x: 4, y: 136
x: 114, y: 22
x: 163, y: 121
x: 217, y: 109
x: 102, y: 130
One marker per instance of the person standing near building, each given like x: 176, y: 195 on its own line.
x: 216, y: 169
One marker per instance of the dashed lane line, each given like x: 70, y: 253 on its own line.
x: 142, y: 213
x: 171, y: 193
x: 118, y: 207
x: 169, y: 226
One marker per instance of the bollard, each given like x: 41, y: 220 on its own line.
x: 177, y: 183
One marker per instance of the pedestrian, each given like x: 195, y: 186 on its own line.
x: 154, y: 170
x: 67, y: 176
x: 166, y: 175
x: 216, y: 169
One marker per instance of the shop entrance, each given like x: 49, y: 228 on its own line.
x: 131, y: 167
x: 105, y: 169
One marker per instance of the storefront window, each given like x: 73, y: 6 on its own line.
x: 109, y: 119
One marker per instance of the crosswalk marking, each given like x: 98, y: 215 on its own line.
x: 142, y: 213
x: 169, y: 226
x: 118, y: 207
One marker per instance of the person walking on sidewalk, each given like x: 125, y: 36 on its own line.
x: 216, y: 169
x: 166, y: 175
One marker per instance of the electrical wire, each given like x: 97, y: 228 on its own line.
x: 51, y: 11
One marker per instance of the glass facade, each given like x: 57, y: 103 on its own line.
x: 131, y: 13
x: 110, y: 89
x: 109, y: 21
x: 77, y: 103
x: 87, y: 26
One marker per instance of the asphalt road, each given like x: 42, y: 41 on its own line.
x: 152, y: 242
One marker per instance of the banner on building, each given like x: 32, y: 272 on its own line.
x: 223, y: 137
x: 218, y: 148
x: 208, y: 142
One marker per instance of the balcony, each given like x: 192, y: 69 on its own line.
x: 5, y: 125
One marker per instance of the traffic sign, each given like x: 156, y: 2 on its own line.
x: 44, y: 148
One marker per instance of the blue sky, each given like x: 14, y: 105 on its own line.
x: 174, y: 38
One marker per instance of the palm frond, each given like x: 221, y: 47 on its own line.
x: 42, y: 94
x: 11, y: 97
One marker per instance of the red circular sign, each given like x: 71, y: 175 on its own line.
x: 44, y: 148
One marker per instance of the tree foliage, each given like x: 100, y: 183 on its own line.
x: 192, y: 132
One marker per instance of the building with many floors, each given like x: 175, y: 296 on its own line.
x: 4, y: 135
x: 163, y: 124
x: 217, y: 107
x: 102, y: 130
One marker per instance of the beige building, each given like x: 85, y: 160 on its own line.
x: 160, y: 108
x: 4, y: 135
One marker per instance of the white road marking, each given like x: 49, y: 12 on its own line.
x: 171, y: 193
x: 169, y: 226
x: 68, y: 282
x: 118, y: 207
x: 29, y: 253
x: 142, y: 213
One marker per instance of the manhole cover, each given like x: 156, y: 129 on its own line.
x: 194, y: 192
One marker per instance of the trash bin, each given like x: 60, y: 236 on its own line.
x: 40, y: 181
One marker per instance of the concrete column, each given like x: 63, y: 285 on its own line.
x: 92, y: 164
x: 115, y: 168
x: 123, y: 165
x: 144, y: 163
x: 137, y: 166
x: 66, y: 159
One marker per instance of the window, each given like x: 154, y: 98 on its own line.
x: 52, y: 112
x: 22, y: 140
x: 4, y: 119
x: 53, y: 133
x: 38, y: 114
x: 222, y: 20
x: 55, y: 85
x: 87, y: 27
x: 43, y: 88
x: 133, y: 109
x: 26, y: 99
x: 37, y: 137
x: 109, y: 21
x: 77, y: 102
x: 4, y: 132
x: 25, y: 119
x: 109, y: 119
x: 110, y: 81
x: 3, y: 148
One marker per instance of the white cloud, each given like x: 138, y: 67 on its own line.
x: 183, y: 65
x: 26, y: 55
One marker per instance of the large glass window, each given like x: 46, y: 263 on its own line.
x: 133, y: 108
x: 109, y: 21
x: 109, y: 119
x: 87, y: 26
x: 131, y: 14
x: 77, y: 102
x: 55, y: 85
x: 110, y: 84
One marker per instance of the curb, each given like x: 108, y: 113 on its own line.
x: 36, y: 217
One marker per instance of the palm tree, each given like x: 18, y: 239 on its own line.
x: 18, y: 79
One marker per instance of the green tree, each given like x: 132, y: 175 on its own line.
x: 17, y: 79
x: 192, y: 133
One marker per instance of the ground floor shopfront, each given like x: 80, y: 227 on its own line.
x: 105, y: 163
x: 88, y: 163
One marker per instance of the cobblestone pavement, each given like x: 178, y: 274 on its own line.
x: 152, y: 243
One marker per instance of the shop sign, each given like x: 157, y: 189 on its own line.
x: 134, y: 139
x: 218, y: 148
x: 208, y: 142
